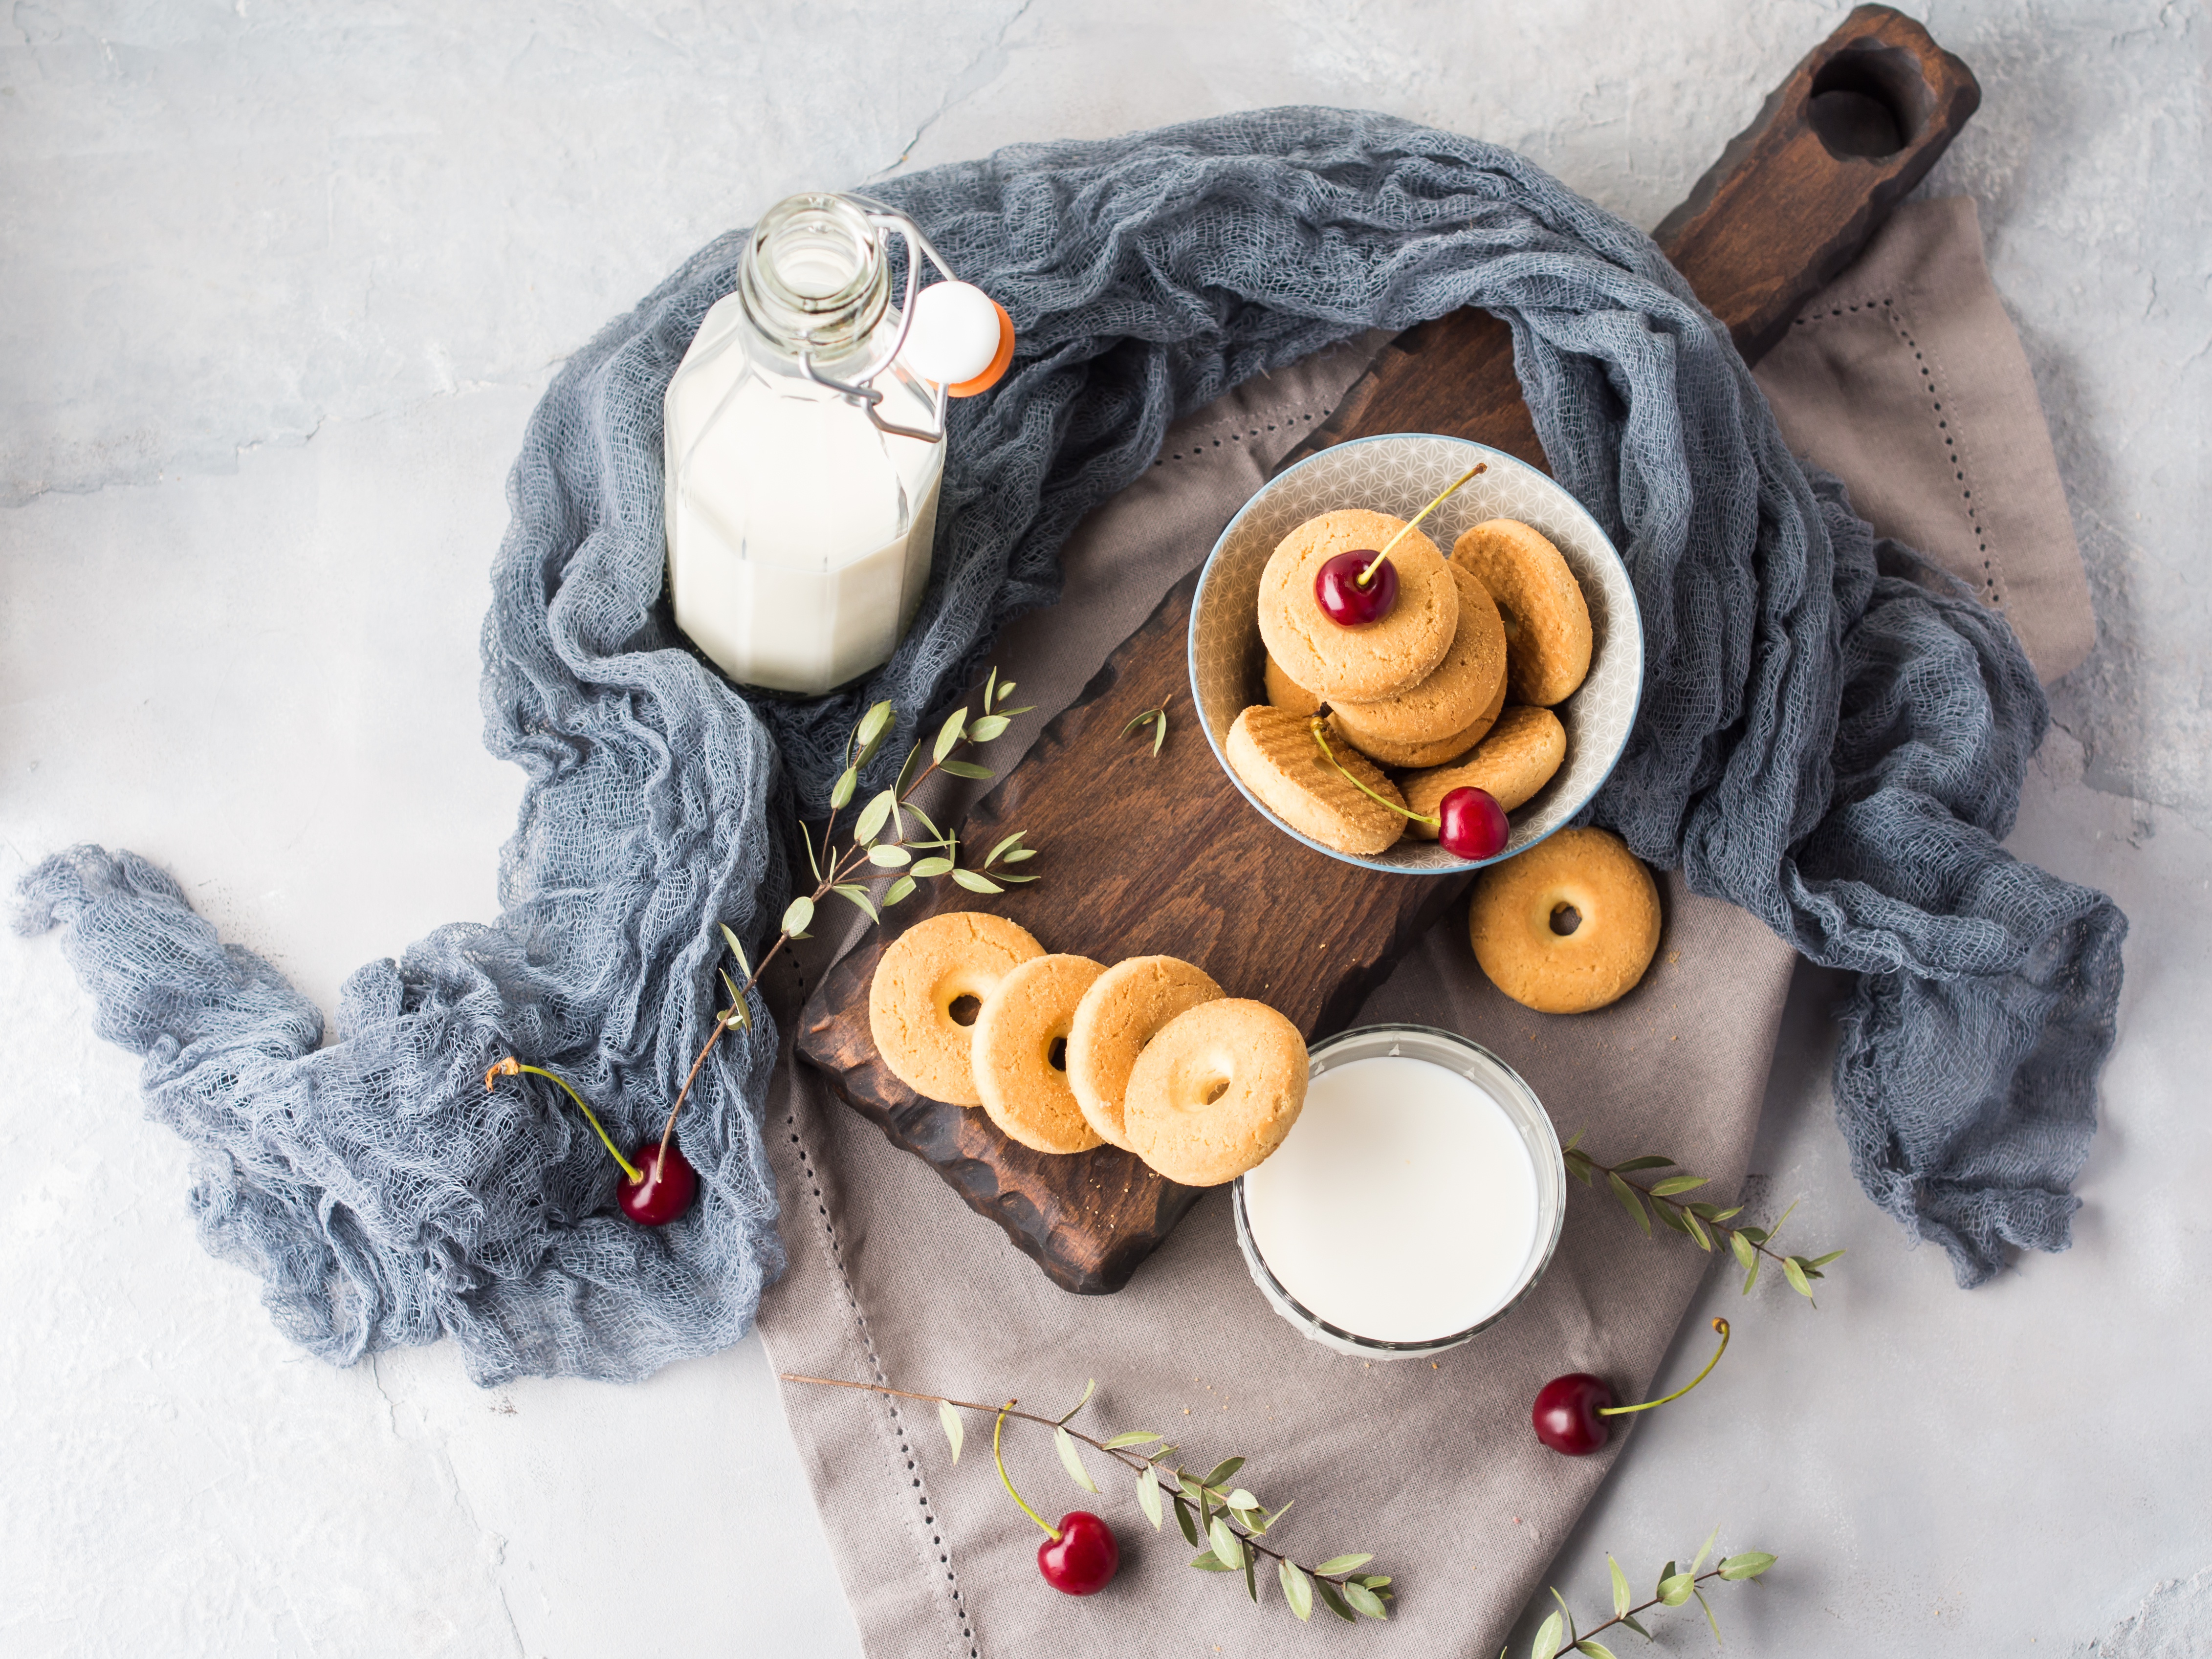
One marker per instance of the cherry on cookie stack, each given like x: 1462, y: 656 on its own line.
x: 1065, y: 1055
x: 1422, y: 689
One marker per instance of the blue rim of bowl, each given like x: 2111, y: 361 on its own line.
x: 1206, y: 575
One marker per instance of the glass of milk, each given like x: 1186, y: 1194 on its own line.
x: 803, y: 453
x: 1416, y: 1201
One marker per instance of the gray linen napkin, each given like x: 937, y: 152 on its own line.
x: 1430, y: 1464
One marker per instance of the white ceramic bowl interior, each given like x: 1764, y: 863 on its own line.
x: 1400, y: 474
x: 1530, y: 1121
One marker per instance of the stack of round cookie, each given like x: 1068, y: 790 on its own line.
x: 1065, y: 1054
x: 1453, y: 687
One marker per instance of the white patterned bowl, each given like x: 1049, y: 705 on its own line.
x: 1399, y: 474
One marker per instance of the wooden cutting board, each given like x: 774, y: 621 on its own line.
x: 1791, y: 202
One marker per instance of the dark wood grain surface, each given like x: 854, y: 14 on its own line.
x: 1791, y: 201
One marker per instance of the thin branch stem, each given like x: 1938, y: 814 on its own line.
x: 1134, y: 1464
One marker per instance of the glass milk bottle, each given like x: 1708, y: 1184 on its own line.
x: 804, y: 447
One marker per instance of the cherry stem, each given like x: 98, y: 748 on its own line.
x: 1317, y: 723
x: 839, y: 870
x: 511, y: 1066
x: 1362, y: 579
x: 1720, y: 1325
x: 997, y: 1429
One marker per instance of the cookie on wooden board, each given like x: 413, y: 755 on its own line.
x: 1019, y: 1035
x: 1518, y: 758
x: 1569, y: 925
x: 1122, y: 1011
x: 1408, y: 729
x: 1375, y: 660
x: 1275, y: 756
x: 1215, y: 1091
x: 919, y: 976
x: 1547, y: 622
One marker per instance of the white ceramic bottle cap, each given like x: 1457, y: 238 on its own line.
x: 958, y: 335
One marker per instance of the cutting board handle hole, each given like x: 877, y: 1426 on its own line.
x: 963, y: 1010
x: 1869, y: 102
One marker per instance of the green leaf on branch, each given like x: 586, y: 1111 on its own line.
x: 1226, y: 1545
x: 949, y: 735
x: 960, y: 769
x: 1749, y: 1565
x: 1674, y: 1184
x: 987, y: 728
x: 1222, y: 1471
x: 1339, y: 1563
x: 1745, y: 1255
x: 1635, y: 1163
x: 1632, y: 1202
x: 976, y: 882
x: 737, y: 949
x: 1697, y: 1230
x: 950, y: 1421
x: 873, y: 817
x: 841, y: 792
x: 1002, y: 848
x: 1549, y: 1635
x: 1297, y: 1589
x: 1670, y: 1217
x: 1621, y: 1598
x: 1005, y: 690
x: 1676, y: 1591
x: 1334, y: 1602
x: 927, y: 867
x: 1090, y: 1388
x: 1366, y: 1601
x: 796, y: 915
x: 1184, y: 1519
x: 1072, y: 1460
x: 898, y: 890
x: 1710, y: 1619
x: 1823, y: 1260
x: 1210, y: 1562
x: 1148, y: 1496
x: 1593, y: 1649
x: 1251, y: 1577
x: 859, y: 895
x: 884, y: 855
x: 1793, y: 1269
x: 1130, y: 1438
x: 1705, y: 1550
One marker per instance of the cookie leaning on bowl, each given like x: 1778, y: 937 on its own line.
x: 1275, y: 754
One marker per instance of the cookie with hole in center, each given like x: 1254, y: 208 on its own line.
x: 1123, y: 1010
x: 1569, y: 925
x: 1547, y: 621
x: 1275, y: 754
x: 1021, y: 1065
x: 921, y: 975
x: 1411, y: 728
x: 1393, y: 653
x: 1215, y: 1091
x: 1518, y: 758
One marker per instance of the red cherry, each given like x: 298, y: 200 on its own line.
x: 1082, y: 1557
x: 1348, y: 602
x: 1566, y: 1414
x: 1472, y: 825
x: 665, y: 1189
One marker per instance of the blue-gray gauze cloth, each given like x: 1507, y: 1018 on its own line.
x: 1833, y: 736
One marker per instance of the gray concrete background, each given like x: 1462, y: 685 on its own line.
x: 279, y: 284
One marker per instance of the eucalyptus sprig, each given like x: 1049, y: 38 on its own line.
x: 1156, y: 719
x: 1696, y: 1220
x: 1224, y: 1522
x: 1558, y: 1634
x: 871, y: 855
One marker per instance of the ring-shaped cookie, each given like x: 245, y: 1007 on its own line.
x: 1021, y: 1024
x: 1547, y: 621
x: 921, y: 975
x: 1122, y: 1011
x: 1215, y: 1091
x: 1587, y: 881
